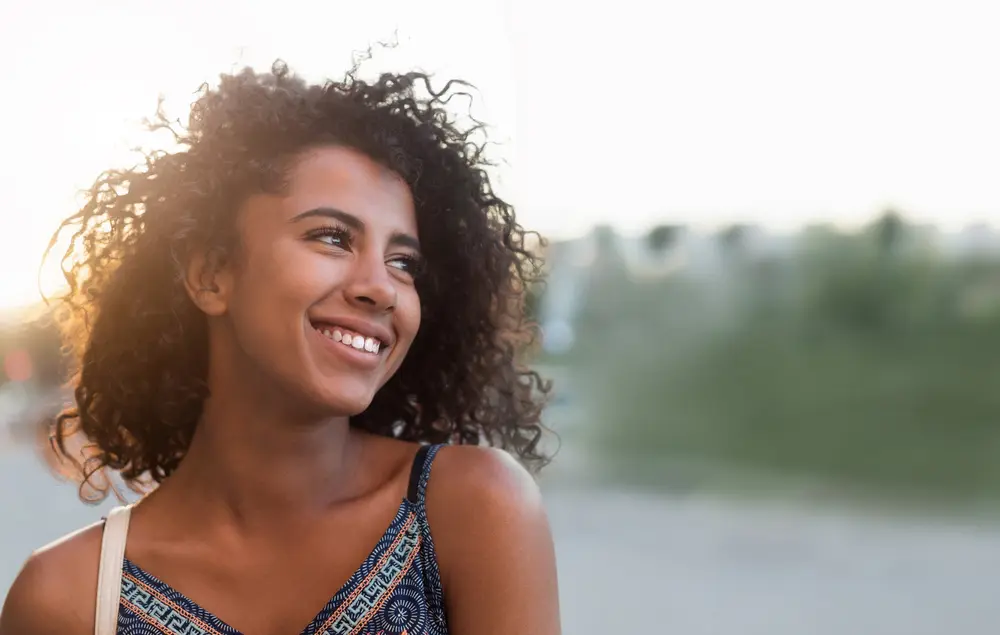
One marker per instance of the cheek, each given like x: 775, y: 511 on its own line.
x: 410, y: 316
x: 268, y: 298
x: 407, y: 319
x: 284, y: 275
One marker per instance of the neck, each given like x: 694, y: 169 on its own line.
x: 259, y: 463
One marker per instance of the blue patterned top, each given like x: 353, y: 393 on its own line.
x: 397, y: 590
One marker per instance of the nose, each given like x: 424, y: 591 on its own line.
x: 370, y: 286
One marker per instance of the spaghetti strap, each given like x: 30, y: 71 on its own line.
x: 420, y: 473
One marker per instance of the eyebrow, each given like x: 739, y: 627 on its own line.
x: 401, y: 239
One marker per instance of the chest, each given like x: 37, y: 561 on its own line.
x: 352, y: 582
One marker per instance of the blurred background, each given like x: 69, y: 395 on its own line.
x: 773, y: 306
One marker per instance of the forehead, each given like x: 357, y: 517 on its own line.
x: 344, y: 179
x: 348, y: 175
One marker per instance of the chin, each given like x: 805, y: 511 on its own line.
x: 341, y: 398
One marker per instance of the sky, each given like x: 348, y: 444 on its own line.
x: 777, y: 112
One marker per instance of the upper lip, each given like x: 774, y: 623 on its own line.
x: 361, y: 327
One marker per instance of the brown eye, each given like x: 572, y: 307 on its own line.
x: 332, y: 236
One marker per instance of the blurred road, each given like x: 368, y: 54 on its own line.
x: 631, y: 563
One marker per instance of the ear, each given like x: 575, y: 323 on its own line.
x: 209, y: 281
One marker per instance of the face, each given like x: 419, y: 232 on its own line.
x: 321, y: 297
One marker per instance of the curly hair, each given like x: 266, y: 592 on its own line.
x: 140, y: 345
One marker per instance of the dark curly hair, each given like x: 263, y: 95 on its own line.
x: 140, y: 344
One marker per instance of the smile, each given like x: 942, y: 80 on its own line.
x: 349, y: 338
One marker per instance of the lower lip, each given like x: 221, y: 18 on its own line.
x: 349, y: 353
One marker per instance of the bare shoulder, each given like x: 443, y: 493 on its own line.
x: 469, y: 480
x: 56, y: 588
x: 481, y: 500
x: 493, y: 543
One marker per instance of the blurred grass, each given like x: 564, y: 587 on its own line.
x: 868, y: 364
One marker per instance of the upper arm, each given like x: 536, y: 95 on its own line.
x: 54, y: 592
x: 494, y: 545
x: 26, y: 605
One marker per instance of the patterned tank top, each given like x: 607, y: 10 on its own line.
x: 397, y: 590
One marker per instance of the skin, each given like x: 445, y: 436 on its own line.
x: 278, y: 501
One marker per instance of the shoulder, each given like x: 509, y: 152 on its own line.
x: 492, y: 541
x: 468, y: 480
x: 56, y: 589
x: 481, y: 498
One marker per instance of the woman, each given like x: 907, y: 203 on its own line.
x: 280, y: 323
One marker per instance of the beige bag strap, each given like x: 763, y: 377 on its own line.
x: 109, y: 577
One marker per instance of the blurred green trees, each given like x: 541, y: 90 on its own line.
x: 867, y: 359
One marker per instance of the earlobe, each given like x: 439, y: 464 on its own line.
x: 206, y: 281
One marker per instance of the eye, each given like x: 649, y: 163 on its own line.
x: 412, y: 265
x: 332, y: 236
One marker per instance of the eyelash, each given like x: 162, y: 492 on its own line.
x: 330, y: 231
x: 414, y: 264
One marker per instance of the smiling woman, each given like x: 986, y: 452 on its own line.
x: 283, y: 325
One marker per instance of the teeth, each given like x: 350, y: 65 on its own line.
x: 359, y: 342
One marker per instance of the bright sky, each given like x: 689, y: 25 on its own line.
x: 772, y: 111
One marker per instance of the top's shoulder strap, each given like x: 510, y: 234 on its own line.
x: 109, y: 577
x: 421, y: 471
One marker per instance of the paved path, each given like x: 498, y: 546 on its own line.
x: 631, y: 563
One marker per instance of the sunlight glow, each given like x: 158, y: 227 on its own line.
x: 778, y: 112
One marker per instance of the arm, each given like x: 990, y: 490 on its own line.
x: 494, y: 545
